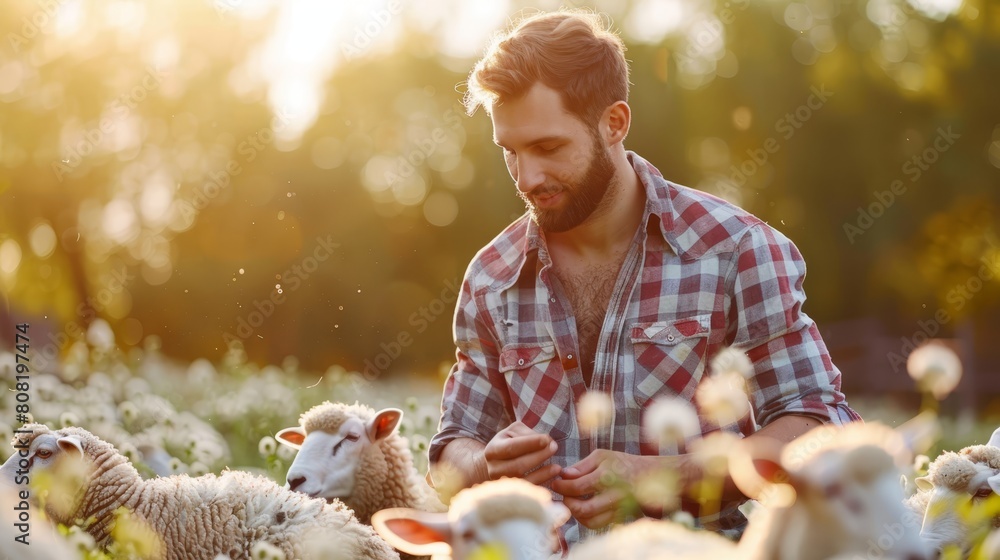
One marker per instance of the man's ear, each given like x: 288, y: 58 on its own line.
x: 71, y: 444
x: 293, y: 437
x: 383, y: 424
x: 618, y: 117
x: 415, y: 532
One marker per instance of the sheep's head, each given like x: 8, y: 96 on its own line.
x: 51, y: 466
x: 510, y: 517
x: 333, y: 441
x: 962, y: 502
x: 841, y: 490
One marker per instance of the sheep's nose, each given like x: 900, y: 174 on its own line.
x: 294, y: 483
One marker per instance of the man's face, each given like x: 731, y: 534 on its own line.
x: 560, y: 165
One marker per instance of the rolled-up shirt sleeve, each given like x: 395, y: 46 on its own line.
x: 474, y: 403
x: 793, y: 372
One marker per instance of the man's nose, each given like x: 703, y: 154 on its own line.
x: 529, y: 175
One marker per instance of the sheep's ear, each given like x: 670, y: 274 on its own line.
x: 292, y: 437
x: 384, y: 423
x: 924, y: 483
x: 71, y: 445
x: 414, y: 532
x: 994, y: 482
x: 559, y: 513
x: 756, y: 465
x: 995, y: 439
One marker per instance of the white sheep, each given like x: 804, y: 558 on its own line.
x: 178, y: 517
x: 833, y: 491
x: 951, y: 498
x: 508, y: 518
x: 356, y: 455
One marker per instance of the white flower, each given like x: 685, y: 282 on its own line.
x: 671, y: 420
x: 100, y: 335
x: 267, y: 446
x: 286, y: 453
x: 263, y: 550
x: 935, y: 368
x: 732, y: 359
x: 594, y: 411
x: 723, y: 397
x: 713, y: 451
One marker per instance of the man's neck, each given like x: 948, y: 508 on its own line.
x: 612, y: 226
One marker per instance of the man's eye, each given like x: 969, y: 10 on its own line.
x: 547, y: 149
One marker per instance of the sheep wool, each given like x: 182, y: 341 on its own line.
x: 200, y: 518
x: 386, y: 477
x: 956, y: 470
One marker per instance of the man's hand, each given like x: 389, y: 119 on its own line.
x: 585, y: 486
x: 517, y: 451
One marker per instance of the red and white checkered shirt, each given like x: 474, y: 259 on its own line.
x: 702, y: 275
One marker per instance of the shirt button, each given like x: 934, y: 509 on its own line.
x: 569, y: 356
x: 553, y: 300
x: 520, y: 362
x: 670, y: 337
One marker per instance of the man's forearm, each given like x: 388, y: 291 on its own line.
x: 460, y: 457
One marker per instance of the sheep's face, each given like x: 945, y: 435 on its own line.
x: 327, y: 463
x: 52, y: 469
x: 953, y: 514
x: 856, y: 502
x: 515, y: 538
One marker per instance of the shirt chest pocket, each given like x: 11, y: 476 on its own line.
x: 669, y: 357
x: 539, y: 391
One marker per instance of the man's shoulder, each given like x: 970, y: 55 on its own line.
x: 499, y: 261
x: 704, y: 224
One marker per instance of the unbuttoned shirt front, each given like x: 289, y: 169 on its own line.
x: 700, y: 275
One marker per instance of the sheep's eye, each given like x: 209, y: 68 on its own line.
x: 984, y: 493
x: 352, y: 437
x: 468, y: 535
x: 43, y: 453
x: 833, y: 490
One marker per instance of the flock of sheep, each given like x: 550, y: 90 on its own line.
x: 353, y: 491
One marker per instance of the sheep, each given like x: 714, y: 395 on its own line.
x: 839, y: 495
x: 176, y: 517
x: 22, y: 535
x: 508, y: 518
x: 950, y: 499
x: 354, y: 454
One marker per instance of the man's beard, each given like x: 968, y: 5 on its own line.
x: 581, y: 199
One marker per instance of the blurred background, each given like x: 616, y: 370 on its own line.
x: 298, y: 180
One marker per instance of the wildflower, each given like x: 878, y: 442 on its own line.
x: 267, y: 446
x: 732, y: 359
x: 723, y: 397
x: 935, y: 368
x: 670, y: 421
x: 263, y: 550
x: 594, y: 411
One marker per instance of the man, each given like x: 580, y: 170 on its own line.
x: 615, y: 281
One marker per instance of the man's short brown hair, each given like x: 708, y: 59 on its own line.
x: 570, y: 51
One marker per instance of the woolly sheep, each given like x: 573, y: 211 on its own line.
x: 954, y: 483
x: 354, y: 454
x: 839, y: 495
x: 183, y: 517
x: 508, y: 518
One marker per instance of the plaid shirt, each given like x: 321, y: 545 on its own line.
x: 703, y: 274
